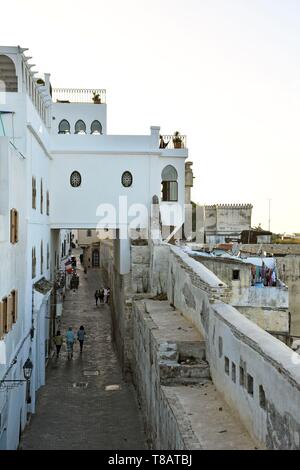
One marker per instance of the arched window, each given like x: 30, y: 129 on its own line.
x: 8, y: 75
x: 64, y: 127
x: 169, y: 178
x: 96, y: 128
x: 80, y: 127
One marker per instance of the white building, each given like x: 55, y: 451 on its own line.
x: 60, y: 171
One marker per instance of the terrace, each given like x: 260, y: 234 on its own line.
x: 79, y: 95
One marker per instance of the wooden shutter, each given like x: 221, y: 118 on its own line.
x: 12, y: 226
x: 1, y: 320
x: 10, y: 303
x: 15, y: 306
x: 33, y: 193
x: 16, y: 226
x: 48, y: 203
x: 4, y: 318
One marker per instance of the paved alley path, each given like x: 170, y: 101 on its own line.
x: 92, y: 417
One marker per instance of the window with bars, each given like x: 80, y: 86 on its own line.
x: 33, y: 192
x: 14, y: 226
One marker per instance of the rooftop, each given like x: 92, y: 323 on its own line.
x: 79, y: 95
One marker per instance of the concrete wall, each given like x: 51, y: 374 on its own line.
x: 269, y: 366
x: 230, y: 219
x: 223, y: 269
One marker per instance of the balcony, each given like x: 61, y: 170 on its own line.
x: 168, y: 142
x: 78, y: 95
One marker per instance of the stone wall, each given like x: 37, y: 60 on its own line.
x: 120, y: 306
x: 166, y: 425
x: 140, y: 267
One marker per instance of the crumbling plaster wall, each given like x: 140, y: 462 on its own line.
x: 265, y: 392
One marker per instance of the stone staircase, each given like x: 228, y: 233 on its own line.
x: 182, y: 357
x: 180, y: 367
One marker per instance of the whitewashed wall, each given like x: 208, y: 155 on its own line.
x: 272, y: 365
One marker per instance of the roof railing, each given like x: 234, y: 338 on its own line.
x: 172, y: 142
x: 78, y: 95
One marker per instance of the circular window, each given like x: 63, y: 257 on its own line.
x: 75, y: 179
x: 127, y: 179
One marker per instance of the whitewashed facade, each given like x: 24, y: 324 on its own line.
x: 45, y: 136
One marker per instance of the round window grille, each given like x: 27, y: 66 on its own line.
x: 75, y: 179
x: 127, y: 179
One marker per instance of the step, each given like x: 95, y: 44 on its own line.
x: 172, y: 373
x: 204, y: 420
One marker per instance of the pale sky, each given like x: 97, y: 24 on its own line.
x: 226, y: 73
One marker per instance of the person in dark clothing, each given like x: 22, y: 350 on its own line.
x: 97, y: 296
x: 81, y: 336
x: 58, y: 341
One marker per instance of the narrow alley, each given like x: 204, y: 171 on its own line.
x: 75, y: 409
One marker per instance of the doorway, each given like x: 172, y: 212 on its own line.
x: 96, y: 258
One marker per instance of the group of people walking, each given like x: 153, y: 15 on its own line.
x: 102, y: 295
x: 70, y: 339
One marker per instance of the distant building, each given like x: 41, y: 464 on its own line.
x: 256, y: 236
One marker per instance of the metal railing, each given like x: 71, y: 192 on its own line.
x: 167, y: 142
x: 78, y: 95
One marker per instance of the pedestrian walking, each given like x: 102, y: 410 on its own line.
x: 58, y: 341
x: 105, y: 295
x: 81, y: 336
x: 70, y: 338
x: 108, y: 294
x: 97, y: 296
x: 101, y: 295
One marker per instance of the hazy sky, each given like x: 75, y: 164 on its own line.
x: 224, y: 72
